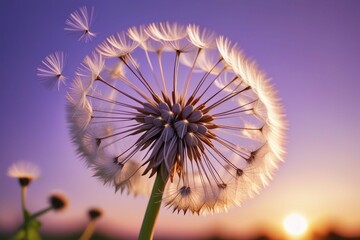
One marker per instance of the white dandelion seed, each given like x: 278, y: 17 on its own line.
x: 171, y: 35
x: 91, y: 65
x: 166, y: 32
x: 118, y: 71
x: 202, y: 38
x: 80, y: 22
x: 138, y: 34
x: 192, y: 107
x: 117, y: 45
x: 50, y: 71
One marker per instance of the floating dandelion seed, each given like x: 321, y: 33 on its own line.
x: 80, y: 22
x: 214, y: 128
x: 50, y: 71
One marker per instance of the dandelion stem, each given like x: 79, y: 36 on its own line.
x: 153, y: 207
x: 162, y: 71
x: 41, y: 212
x: 23, y: 200
x: 25, y: 214
x: 89, y: 230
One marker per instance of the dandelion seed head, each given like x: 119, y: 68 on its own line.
x: 24, y: 171
x: 184, y: 103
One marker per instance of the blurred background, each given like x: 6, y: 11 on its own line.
x: 311, y: 51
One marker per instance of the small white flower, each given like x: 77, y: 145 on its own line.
x: 24, y: 171
x: 80, y: 22
x: 50, y: 71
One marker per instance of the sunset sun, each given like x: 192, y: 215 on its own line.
x: 295, y: 224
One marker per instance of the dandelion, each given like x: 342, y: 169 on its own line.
x: 58, y: 201
x: 50, y: 71
x: 94, y: 214
x: 80, y: 22
x: 211, y: 130
x: 25, y: 172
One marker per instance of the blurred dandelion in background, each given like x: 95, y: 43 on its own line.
x: 50, y: 71
x: 93, y: 214
x: 79, y: 23
x: 180, y: 103
x: 25, y: 172
x: 58, y: 201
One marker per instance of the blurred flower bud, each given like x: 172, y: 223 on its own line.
x: 58, y: 201
x: 94, y: 213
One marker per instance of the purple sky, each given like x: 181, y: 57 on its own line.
x: 310, y: 50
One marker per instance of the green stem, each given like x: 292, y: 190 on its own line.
x: 23, y: 201
x: 39, y: 213
x: 25, y: 213
x: 153, y: 207
x: 89, y: 230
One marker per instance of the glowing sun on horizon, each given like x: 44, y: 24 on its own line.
x: 295, y: 224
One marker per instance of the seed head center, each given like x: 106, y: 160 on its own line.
x: 182, y: 122
x: 171, y: 129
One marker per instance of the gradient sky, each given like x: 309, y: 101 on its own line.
x: 310, y: 49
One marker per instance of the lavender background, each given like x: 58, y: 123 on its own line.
x: 309, y: 48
